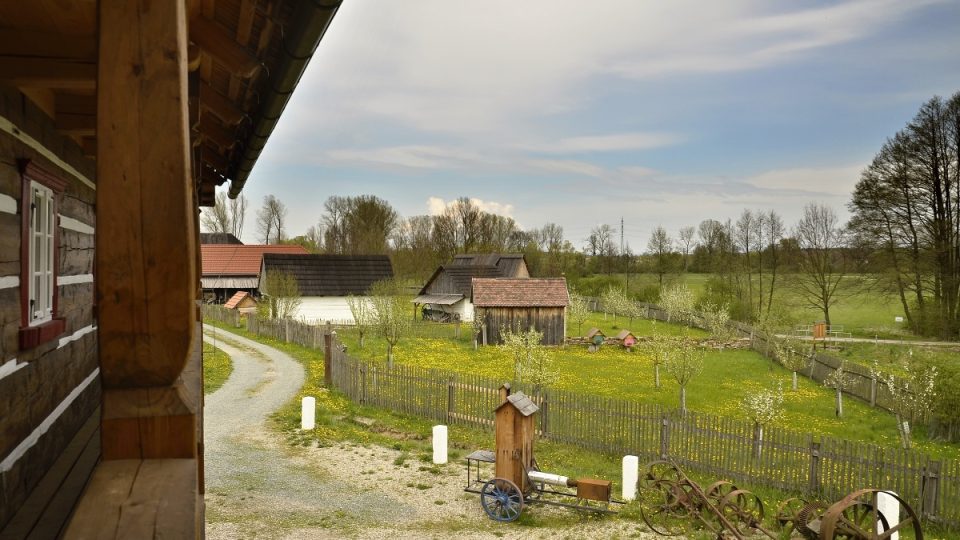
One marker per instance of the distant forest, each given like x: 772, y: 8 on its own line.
x: 904, y: 233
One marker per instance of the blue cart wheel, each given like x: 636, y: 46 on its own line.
x: 501, y: 499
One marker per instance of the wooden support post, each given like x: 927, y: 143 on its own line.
x: 930, y: 490
x: 451, y: 398
x: 363, y: 384
x: 147, y: 278
x: 813, y: 486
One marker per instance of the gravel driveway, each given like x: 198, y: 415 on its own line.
x: 260, y: 487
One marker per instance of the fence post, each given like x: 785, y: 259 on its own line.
x: 814, y: 484
x: 363, y: 384
x: 451, y: 398
x: 286, y: 330
x: 664, y: 437
x: 930, y: 489
x: 328, y: 358
x: 873, y: 391
x: 544, y: 414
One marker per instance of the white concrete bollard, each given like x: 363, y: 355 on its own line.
x: 631, y: 472
x: 889, y: 506
x: 308, y: 413
x: 439, y: 444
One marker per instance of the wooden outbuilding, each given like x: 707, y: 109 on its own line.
x: 519, y: 304
x: 243, y: 302
x: 515, y: 427
x: 447, y: 294
x: 229, y: 268
x: 118, y: 120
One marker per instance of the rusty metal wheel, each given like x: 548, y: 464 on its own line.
x: 858, y: 516
x: 788, y: 513
x: 659, y: 470
x: 743, y: 509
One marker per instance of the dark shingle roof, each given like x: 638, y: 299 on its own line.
x: 331, y: 275
x: 219, y: 238
x: 467, y: 266
x: 520, y: 292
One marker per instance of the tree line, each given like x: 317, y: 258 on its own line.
x: 904, y: 232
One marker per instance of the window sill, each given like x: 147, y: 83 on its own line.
x: 33, y: 336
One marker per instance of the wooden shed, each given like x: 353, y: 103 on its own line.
x: 515, y: 433
x: 446, y: 295
x: 243, y: 302
x: 519, y: 304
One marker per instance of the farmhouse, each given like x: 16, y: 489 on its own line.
x: 448, y: 289
x: 229, y: 268
x: 117, y: 121
x: 325, y: 281
x: 520, y: 304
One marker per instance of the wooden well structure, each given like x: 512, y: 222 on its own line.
x: 515, y: 427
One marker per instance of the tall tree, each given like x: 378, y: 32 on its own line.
x: 686, y: 240
x: 773, y: 235
x: 822, y: 260
x: 660, y: 246
x: 225, y: 216
x: 271, y: 220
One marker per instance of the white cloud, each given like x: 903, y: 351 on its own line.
x: 566, y: 166
x: 833, y: 181
x: 608, y: 143
x: 436, y: 205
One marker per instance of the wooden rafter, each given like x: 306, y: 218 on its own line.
x: 48, y: 73
x: 32, y: 44
x: 215, y: 132
x: 221, y: 45
x: 224, y: 108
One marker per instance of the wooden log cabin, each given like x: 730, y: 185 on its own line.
x: 117, y: 121
x: 520, y: 304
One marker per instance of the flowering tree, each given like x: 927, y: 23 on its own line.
x: 677, y: 301
x: 716, y: 319
x: 362, y: 313
x: 658, y: 348
x: 614, y: 300
x: 531, y: 362
x: 764, y: 408
x: 684, y: 361
x: 839, y: 380
x: 389, y: 314
x: 792, y: 357
x: 578, y: 310
x: 477, y: 326
x: 913, y: 393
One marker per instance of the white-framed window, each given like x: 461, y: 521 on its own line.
x: 41, y: 262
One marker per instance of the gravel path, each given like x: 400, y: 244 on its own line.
x: 260, y: 487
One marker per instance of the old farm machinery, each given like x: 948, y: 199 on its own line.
x: 669, y: 499
x: 518, y: 481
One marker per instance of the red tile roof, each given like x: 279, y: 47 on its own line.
x: 236, y: 299
x: 238, y: 260
x: 520, y: 292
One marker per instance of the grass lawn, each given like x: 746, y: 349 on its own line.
x: 728, y: 377
x: 865, y: 313
x: 216, y: 368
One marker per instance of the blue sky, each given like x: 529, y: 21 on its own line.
x: 579, y: 113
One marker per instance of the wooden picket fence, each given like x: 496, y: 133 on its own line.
x: 824, y: 467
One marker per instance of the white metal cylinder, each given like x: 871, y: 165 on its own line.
x: 308, y: 412
x: 631, y: 473
x: 889, y: 506
x: 439, y: 444
x: 548, y: 478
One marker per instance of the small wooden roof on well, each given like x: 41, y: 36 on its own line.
x: 595, y: 332
x: 521, y: 402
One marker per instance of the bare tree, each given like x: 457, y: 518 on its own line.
x: 745, y: 235
x: 773, y: 236
x: 822, y: 261
x: 660, y: 246
x: 686, y: 240
x: 271, y: 220
x: 225, y: 216
x: 334, y: 222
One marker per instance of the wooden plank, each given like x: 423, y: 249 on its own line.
x: 37, y: 45
x: 47, y: 73
x: 221, y: 106
x: 147, y: 276
x: 76, y: 124
x: 216, y: 132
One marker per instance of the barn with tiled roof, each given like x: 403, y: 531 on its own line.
x: 448, y: 290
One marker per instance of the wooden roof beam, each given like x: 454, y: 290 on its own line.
x: 29, y: 43
x: 48, y: 73
x: 219, y: 44
x: 222, y: 107
x: 216, y: 133
x: 215, y: 160
x: 76, y: 124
